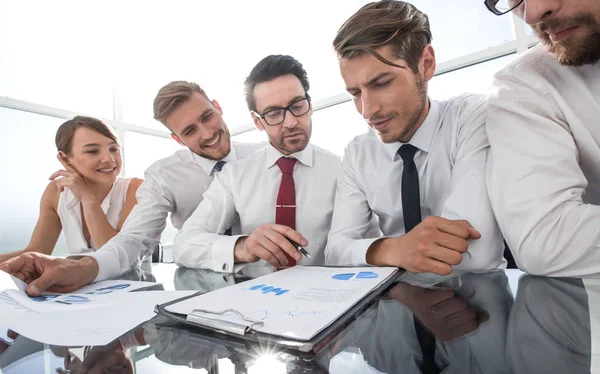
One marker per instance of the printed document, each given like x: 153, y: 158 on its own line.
x: 93, y: 315
x: 296, y: 303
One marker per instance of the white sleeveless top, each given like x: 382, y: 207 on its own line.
x: 69, y: 212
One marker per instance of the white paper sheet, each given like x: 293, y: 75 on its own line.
x: 112, y: 286
x: 296, y: 303
x: 92, y: 326
x: 8, y: 282
x: 14, y: 301
x: 93, y: 315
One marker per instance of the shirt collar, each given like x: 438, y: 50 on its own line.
x: 208, y: 165
x: 423, y: 138
x: 305, y: 156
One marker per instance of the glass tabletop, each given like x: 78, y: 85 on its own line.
x: 493, y: 322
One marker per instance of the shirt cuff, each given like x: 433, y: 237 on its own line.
x: 108, y: 264
x: 129, y: 340
x: 358, y: 251
x: 222, y: 253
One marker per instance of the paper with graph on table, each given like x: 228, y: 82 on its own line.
x: 296, y: 303
x: 14, y: 300
x: 93, y: 315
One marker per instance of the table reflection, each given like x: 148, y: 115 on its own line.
x: 464, y: 323
x: 549, y: 328
x: 468, y: 323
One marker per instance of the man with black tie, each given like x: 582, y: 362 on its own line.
x: 412, y: 191
x: 283, y: 192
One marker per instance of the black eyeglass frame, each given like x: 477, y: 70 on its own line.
x: 492, y: 8
x: 285, y: 110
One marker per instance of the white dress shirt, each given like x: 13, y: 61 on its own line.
x: 172, y: 185
x: 544, y: 166
x: 451, y: 158
x: 243, y: 197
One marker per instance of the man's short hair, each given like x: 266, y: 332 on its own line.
x: 171, y: 96
x: 269, y: 68
x: 382, y: 23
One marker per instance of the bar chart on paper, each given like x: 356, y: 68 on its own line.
x: 296, y: 303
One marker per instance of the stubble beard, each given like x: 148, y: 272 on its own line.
x: 413, y: 118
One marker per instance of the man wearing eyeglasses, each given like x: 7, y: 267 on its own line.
x: 544, y: 131
x: 411, y: 192
x: 281, y: 193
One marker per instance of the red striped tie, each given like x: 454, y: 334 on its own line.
x: 285, y: 210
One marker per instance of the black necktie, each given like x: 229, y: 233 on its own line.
x: 427, y: 343
x: 411, y: 209
x: 411, y: 198
x: 218, y: 166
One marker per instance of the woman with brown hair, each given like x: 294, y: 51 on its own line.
x: 87, y: 200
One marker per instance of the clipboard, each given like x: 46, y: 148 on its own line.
x: 336, y: 342
x: 243, y: 333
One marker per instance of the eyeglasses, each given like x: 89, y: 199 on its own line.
x: 276, y: 116
x: 500, y: 7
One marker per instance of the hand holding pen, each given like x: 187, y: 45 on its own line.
x: 300, y: 248
x: 271, y: 242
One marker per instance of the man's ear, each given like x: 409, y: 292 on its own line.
x: 178, y: 140
x: 427, y: 63
x: 257, y: 122
x: 215, y: 103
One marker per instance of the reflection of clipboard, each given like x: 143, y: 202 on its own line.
x: 244, y: 332
x: 191, y: 345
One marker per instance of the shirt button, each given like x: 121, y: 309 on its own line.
x: 224, y: 266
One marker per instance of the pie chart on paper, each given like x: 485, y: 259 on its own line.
x: 361, y: 275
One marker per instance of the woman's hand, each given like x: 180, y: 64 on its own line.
x: 73, y: 180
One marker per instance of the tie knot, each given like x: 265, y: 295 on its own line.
x: 286, y: 164
x: 407, y: 152
x: 219, y: 165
